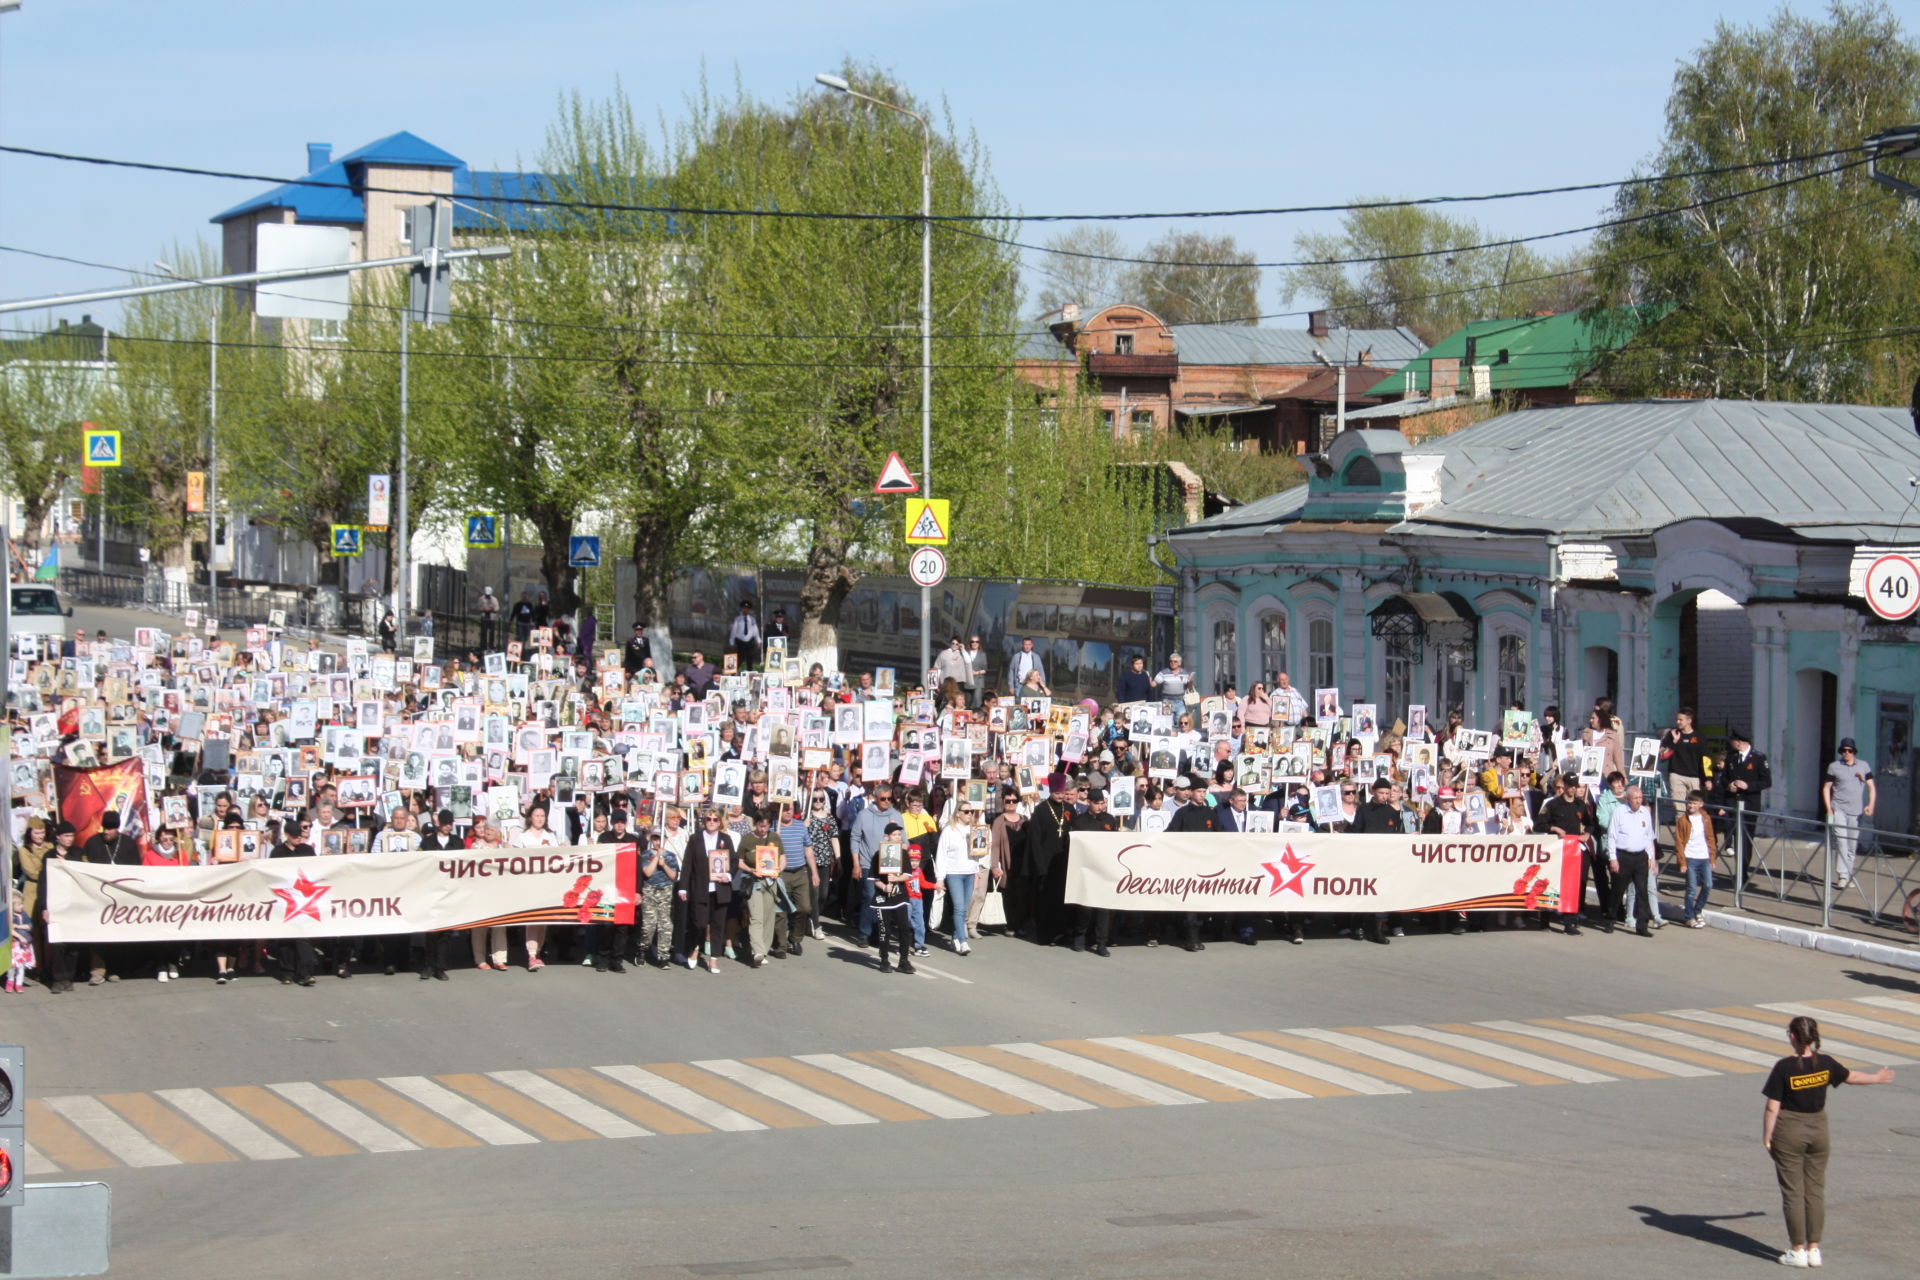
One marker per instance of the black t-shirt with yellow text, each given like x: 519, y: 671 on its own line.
x: 1800, y: 1084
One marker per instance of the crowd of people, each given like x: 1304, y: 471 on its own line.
x: 766, y: 800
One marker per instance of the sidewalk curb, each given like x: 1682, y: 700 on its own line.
x: 1815, y: 940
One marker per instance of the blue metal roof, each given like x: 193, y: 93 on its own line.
x: 332, y: 193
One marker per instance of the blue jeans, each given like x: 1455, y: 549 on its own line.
x: 1653, y: 895
x: 869, y: 918
x: 917, y: 913
x: 1699, y: 882
x: 959, y: 898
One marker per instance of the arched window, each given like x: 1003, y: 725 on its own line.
x: 1363, y: 473
x: 1320, y: 653
x: 1510, y: 666
x: 1226, y: 655
x: 1273, y: 645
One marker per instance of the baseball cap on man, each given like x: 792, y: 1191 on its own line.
x: 1183, y: 783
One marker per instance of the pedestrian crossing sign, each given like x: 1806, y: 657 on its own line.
x: 483, y: 531
x: 346, y: 539
x: 927, y: 522
x: 583, y: 552
x: 103, y: 448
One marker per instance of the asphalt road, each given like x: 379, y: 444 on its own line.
x: 1558, y: 1162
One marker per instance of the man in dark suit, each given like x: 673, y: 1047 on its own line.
x: 1047, y: 839
x: 1097, y: 921
x: 1232, y: 816
x: 1193, y: 816
x: 706, y: 886
x: 636, y: 654
x: 295, y: 957
x: 442, y: 839
x: 1744, y: 779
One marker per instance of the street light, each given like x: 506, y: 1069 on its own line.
x: 213, y: 444
x: 839, y: 85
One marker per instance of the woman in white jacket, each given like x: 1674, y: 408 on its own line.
x: 958, y: 868
x: 537, y: 835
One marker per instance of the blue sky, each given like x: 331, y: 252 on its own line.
x: 1083, y: 106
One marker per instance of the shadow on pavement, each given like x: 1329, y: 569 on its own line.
x: 1887, y: 980
x: 1700, y: 1226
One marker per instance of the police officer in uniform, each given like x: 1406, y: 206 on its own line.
x: 1097, y: 921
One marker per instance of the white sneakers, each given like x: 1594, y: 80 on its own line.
x: 1807, y: 1257
x: 1813, y: 1255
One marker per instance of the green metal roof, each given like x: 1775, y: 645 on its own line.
x: 1529, y: 352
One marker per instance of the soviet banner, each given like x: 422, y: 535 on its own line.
x: 87, y: 795
x: 337, y: 895
x: 1211, y: 871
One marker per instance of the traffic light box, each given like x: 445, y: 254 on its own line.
x: 13, y: 1126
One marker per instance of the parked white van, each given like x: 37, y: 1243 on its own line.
x: 37, y: 610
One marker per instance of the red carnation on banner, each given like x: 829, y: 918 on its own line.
x: 86, y: 795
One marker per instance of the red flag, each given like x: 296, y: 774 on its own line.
x: 86, y: 795
x: 89, y: 479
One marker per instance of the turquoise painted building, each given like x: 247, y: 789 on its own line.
x: 1706, y: 553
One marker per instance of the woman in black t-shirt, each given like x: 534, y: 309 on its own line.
x: 1794, y: 1130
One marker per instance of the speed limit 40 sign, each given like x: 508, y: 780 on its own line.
x: 1893, y: 587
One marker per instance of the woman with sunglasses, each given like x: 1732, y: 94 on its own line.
x: 823, y: 837
x: 706, y: 886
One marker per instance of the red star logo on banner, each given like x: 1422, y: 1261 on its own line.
x: 304, y: 900
x: 1289, y: 874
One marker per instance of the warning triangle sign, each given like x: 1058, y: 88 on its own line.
x: 895, y: 478
x: 927, y: 527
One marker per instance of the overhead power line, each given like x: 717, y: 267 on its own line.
x: 607, y: 206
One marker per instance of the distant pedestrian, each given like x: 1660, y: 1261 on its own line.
x: 1794, y: 1130
x: 1847, y: 796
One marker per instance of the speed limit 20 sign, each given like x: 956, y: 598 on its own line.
x: 1893, y: 587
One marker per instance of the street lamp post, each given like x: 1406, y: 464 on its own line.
x: 839, y: 84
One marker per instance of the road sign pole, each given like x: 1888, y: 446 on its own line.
x: 402, y: 580
x: 213, y: 456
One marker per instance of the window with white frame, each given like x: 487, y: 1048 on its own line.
x: 1510, y: 670
x: 1226, y: 654
x: 1273, y: 645
x: 1320, y: 653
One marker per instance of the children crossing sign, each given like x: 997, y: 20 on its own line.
x: 927, y: 521
x: 103, y: 448
x: 346, y: 539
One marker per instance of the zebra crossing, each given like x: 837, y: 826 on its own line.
x: 389, y: 1115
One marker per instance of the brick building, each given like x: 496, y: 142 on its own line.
x: 1235, y: 379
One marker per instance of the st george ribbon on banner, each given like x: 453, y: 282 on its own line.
x: 1212, y: 871
x: 341, y: 894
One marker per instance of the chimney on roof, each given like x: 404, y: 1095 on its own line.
x: 319, y: 156
x: 1443, y: 376
x: 1317, y: 324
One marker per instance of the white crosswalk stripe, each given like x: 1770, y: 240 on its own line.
x: 670, y: 1093
x: 1852, y: 1021
x: 1772, y: 1031
x: 1892, y: 1002
x: 1102, y: 1074
x: 569, y: 1104
x: 38, y: 1163
x: 931, y: 1101
x: 459, y: 1111
x: 348, y: 1121
x: 1205, y: 1068
x: 1300, y: 1063
x: 1500, y: 1052
x: 1602, y: 1048
x: 786, y: 1092
x: 994, y: 1078
x: 227, y: 1124
x: 1401, y: 1058
x: 122, y: 1141
x: 1684, y: 1039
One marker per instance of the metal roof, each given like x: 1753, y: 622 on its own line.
x: 1217, y: 410
x: 1227, y: 344
x: 1538, y: 351
x: 339, y: 200
x: 1596, y: 471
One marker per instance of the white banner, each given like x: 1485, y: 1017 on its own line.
x: 379, y: 499
x: 350, y: 894
x: 1213, y: 871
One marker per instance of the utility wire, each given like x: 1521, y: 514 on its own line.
x: 604, y: 206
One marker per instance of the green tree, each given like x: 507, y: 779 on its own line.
x: 1775, y: 293
x: 1084, y: 268
x: 809, y: 326
x: 1413, y: 282
x: 48, y: 387
x: 576, y: 397
x: 1197, y: 279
